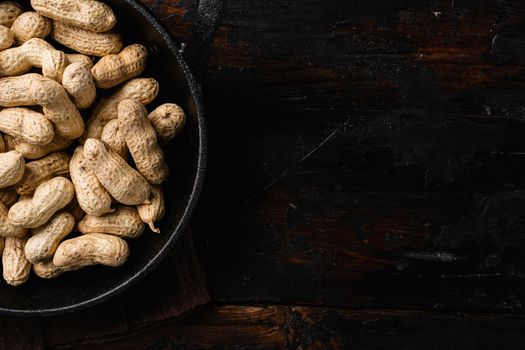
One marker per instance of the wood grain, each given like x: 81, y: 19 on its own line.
x: 366, y: 154
x: 363, y: 154
x: 281, y: 327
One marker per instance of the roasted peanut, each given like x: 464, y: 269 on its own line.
x: 33, y: 53
x: 123, y: 222
x: 78, y: 82
x: 30, y: 151
x: 86, y: 41
x: 39, y: 171
x: 27, y: 125
x: 123, y: 182
x: 9, y: 11
x: 92, y: 249
x: 141, y: 140
x: 37, y: 195
x: 112, y: 137
x: 88, y: 14
x: 16, y: 267
x: 65, y: 116
x: 30, y: 25
x: 49, y: 197
x: 7, y: 229
x: 154, y: 211
x: 46, y: 269
x: 12, y: 166
x: 45, y: 239
x: 27, y: 90
x: 8, y: 197
x: 168, y: 120
x: 78, y: 57
x: 143, y: 90
x: 91, y: 196
x: 112, y: 70
x: 34, y: 89
x: 7, y: 38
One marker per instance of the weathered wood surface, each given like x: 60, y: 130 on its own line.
x: 274, y: 327
x: 365, y: 153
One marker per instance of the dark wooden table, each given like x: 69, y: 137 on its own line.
x: 366, y: 183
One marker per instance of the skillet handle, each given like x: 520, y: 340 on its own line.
x: 195, y: 51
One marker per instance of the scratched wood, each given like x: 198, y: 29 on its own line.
x: 274, y: 327
x: 366, y: 153
x: 362, y: 154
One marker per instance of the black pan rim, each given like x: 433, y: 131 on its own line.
x: 196, y: 95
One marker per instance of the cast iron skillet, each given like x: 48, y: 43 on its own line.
x: 186, y: 156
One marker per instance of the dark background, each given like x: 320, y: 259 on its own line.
x: 366, y: 181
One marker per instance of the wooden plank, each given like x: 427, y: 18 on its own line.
x: 369, y: 250
x: 256, y: 327
x: 366, y: 153
x: 272, y: 327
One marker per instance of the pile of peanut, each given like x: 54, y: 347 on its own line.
x: 71, y: 191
